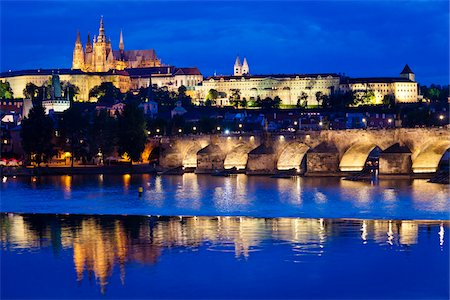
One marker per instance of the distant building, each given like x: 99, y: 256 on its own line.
x: 404, y: 89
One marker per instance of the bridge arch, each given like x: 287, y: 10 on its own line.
x: 291, y: 156
x: 238, y: 157
x: 354, y: 159
x: 427, y: 161
x: 190, y: 156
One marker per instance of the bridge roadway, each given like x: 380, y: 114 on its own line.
x: 400, y: 151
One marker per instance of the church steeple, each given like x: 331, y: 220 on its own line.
x: 237, y: 67
x: 101, y: 32
x: 78, y: 54
x: 121, y: 46
x: 245, y: 68
x: 88, y: 43
x: 78, y: 41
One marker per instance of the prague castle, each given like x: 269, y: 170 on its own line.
x: 97, y: 62
x: 98, y: 56
x: 129, y: 70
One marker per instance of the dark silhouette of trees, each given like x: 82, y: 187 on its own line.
x: 37, y: 134
x: 132, y: 132
x: 103, y: 134
x: 74, y: 132
x: 106, y: 92
x: 30, y: 91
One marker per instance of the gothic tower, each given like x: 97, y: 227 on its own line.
x: 245, y: 69
x: 100, y: 46
x: 88, y: 54
x: 237, y: 67
x: 78, y: 54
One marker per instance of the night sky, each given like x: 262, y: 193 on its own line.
x: 358, y: 38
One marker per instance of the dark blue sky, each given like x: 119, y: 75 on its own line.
x: 359, y: 38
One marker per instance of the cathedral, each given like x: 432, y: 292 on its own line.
x: 98, y: 55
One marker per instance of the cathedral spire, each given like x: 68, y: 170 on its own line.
x: 78, y: 41
x: 101, y: 31
x: 121, y: 46
x: 88, y: 39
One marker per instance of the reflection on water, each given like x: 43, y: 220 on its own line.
x: 102, y: 243
x: 240, y: 195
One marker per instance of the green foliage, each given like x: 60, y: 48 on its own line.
x: 5, y: 90
x: 37, y: 134
x: 364, y: 97
x: 132, y: 131
x: 70, y: 90
x: 302, y: 101
x: 212, y: 95
x: 31, y: 91
x: 106, y: 92
x: 319, y: 98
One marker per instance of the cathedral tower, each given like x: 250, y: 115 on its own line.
x: 245, y: 69
x: 78, y: 54
x: 100, y: 47
x: 237, y: 67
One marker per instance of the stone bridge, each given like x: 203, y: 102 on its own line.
x: 399, y: 151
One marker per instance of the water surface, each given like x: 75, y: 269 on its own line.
x: 195, y: 195
x: 70, y: 256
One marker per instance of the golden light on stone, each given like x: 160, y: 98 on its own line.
x: 355, y: 157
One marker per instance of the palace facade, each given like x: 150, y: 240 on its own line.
x: 301, y: 88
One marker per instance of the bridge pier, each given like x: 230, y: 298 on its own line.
x: 209, y: 159
x: 262, y: 161
x: 323, y: 159
x: 395, y: 160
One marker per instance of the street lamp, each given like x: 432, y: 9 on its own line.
x: 240, y: 125
x: 441, y: 117
x: 218, y: 128
x: 157, y: 130
x: 180, y: 130
x: 194, y: 128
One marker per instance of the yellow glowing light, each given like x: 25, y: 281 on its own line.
x: 180, y: 130
x: 194, y: 128
x: 295, y: 123
x: 364, y: 120
x: 157, y: 130
x: 441, y: 117
x: 218, y: 128
x: 240, y: 125
x: 67, y: 154
x: 389, y: 120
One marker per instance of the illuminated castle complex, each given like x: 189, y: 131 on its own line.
x: 98, y: 55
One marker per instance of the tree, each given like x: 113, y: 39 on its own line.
x: 132, y: 131
x: 30, y: 91
x: 186, y: 100
x: 74, y: 131
x: 106, y: 92
x: 319, y: 98
x: 389, y: 100
x: 103, y: 133
x: 364, y: 97
x: 5, y: 90
x: 212, y: 96
x: 37, y: 134
x: 338, y: 100
x: 70, y: 90
x: 302, y: 100
x: 268, y: 103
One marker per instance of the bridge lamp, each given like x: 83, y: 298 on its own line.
x: 441, y: 117
x: 148, y: 132
x: 227, y: 131
x: 320, y: 123
x: 364, y: 120
x: 240, y: 125
x: 389, y: 121
x: 218, y: 128
x: 295, y: 123
x: 157, y: 130
x: 180, y: 130
x: 194, y: 128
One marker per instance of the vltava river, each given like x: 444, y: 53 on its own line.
x: 73, y: 256
x: 204, y: 195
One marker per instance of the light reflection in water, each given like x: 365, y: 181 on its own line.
x: 100, y: 244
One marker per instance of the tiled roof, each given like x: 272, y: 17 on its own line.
x: 378, y: 80
x: 50, y: 72
x: 275, y: 76
x: 407, y: 70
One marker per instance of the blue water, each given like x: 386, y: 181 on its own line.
x: 49, y: 256
x: 203, y: 195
